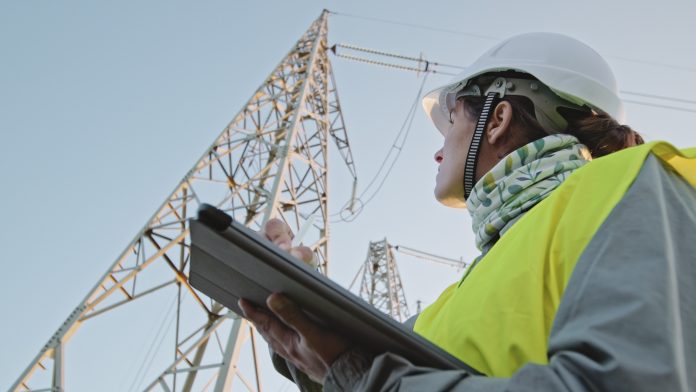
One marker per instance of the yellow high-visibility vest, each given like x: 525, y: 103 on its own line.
x: 500, y: 317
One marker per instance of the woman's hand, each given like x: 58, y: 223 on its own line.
x: 287, y: 329
x: 293, y: 336
x: 280, y: 234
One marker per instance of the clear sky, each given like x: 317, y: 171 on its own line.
x: 104, y: 106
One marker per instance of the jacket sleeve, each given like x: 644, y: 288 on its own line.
x: 289, y: 371
x: 627, y: 317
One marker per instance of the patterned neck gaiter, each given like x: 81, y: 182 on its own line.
x: 520, y: 181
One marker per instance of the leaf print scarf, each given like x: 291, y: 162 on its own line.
x: 520, y: 181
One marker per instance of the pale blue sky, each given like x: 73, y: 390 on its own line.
x: 104, y: 106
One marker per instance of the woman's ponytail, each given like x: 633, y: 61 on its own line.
x: 602, y: 134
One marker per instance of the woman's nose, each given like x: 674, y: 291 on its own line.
x: 438, y: 156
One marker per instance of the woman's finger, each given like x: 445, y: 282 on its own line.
x: 290, y: 314
x: 267, y: 324
x: 276, y: 227
x: 279, y: 233
x: 303, y: 253
x: 277, y: 346
x: 282, y: 339
x: 261, y: 320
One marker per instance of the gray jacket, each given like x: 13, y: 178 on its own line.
x: 627, y: 320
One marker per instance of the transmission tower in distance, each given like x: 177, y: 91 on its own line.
x: 381, y: 283
x: 271, y: 161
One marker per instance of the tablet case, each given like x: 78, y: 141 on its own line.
x: 230, y: 261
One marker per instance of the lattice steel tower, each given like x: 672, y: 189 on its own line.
x: 270, y: 161
x: 381, y: 283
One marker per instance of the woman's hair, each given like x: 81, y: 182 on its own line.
x: 598, y: 131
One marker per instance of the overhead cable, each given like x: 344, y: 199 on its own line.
x: 387, y: 54
x: 655, y: 63
x: 493, y: 38
x: 373, y: 51
x: 417, y: 26
x: 423, y: 65
x: 430, y: 257
x: 660, y: 106
x: 348, y: 215
x: 380, y: 63
x: 662, y: 97
x: 427, y: 67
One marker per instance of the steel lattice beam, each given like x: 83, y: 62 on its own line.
x: 270, y: 161
x: 381, y: 283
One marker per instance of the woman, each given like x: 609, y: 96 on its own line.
x: 587, y: 273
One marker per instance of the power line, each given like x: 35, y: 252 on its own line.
x: 660, y: 106
x: 427, y: 69
x: 397, y: 145
x: 494, y: 38
x: 655, y: 63
x: 423, y: 65
x: 429, y: 64
x: 155, y: 345
x: 394, y: 55
x: 666, y: 98
x: 430, y: 256
x: 380, y: 63
x: 399, y: 148
x: 373, y: 51
x: 418, y: 26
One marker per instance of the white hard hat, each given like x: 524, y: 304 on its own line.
x: 571, y: 69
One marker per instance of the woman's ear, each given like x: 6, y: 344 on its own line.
x: 498, y: 129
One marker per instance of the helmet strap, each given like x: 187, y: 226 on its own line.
x: 472, y: 155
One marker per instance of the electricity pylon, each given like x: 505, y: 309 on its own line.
x: 270, y: 161
x: 381, y: 283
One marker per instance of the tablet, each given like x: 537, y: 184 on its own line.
x: 230, y: 261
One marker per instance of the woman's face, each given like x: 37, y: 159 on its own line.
x: 449, y: 183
